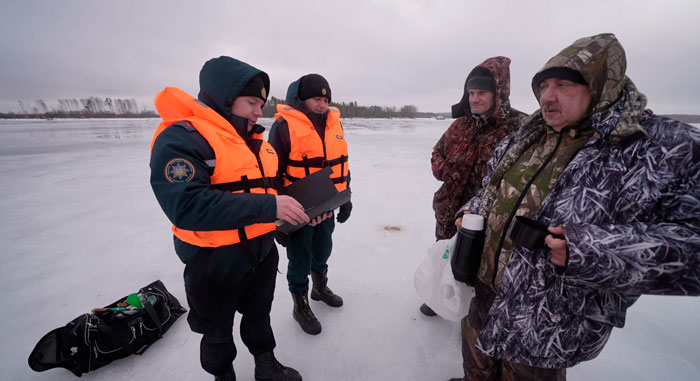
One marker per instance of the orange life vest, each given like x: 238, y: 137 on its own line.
x: 236, y: 170
x: 308, y: 153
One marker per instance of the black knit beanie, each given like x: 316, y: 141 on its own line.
x: 481, y: 79
x: 256, y: 87
x: 314, y: 85
x: 557, y: 72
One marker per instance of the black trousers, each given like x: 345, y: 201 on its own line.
x: 215, y: 295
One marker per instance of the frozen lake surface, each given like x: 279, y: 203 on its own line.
x: 80, y: 228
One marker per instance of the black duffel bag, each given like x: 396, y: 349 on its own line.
x: 94, y: 340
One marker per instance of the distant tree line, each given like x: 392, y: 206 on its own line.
x: 353, y: 110
x: 94, y: 107
x: 91, y: 107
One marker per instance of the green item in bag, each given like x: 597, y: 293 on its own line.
x: 134, y: 300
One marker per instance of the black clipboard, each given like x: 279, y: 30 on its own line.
x: 317, y: 194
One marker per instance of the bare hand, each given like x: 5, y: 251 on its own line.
x: 290, y: 210
x: 458, y: 222
x: 557, y: 245
x: 320, y: 218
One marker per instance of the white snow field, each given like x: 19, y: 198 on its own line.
x: 80, y: 228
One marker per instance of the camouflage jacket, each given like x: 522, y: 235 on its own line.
x: 459, y: 157
x: 548, y: 156
x: 629, y: 200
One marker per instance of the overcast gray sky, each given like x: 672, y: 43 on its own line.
x: 388, y: 53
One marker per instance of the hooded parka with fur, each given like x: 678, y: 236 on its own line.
x: 629, y: 199
x: 459, y: 157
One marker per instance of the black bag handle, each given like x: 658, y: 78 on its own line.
x: 153, y: 315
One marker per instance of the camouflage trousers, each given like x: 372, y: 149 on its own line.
x: 480, y: 367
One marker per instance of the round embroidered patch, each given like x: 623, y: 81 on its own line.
x: 179, y: 170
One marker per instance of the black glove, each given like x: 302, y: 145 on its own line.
x: 281, y: 238
x: 344, y: 212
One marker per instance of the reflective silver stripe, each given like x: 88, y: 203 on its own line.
x: 202, y: 104
x: 211, y: 163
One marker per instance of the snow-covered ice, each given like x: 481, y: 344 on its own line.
x: 80, y: 228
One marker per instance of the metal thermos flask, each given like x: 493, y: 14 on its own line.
x: 468, y: 248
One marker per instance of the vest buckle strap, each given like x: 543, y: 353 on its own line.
x: 267, y: 182
x: 339, y: 180
x: 245, y: 243
x: 341, y: 160
x: 291, y: 178
x: 246, y: 184
x: 317, y: 162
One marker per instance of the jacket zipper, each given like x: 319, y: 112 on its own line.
x: 515, y: 209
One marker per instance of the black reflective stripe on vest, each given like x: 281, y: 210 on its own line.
x: 336, y: 180
x: 317, y: 162
x: 246, y: 184
x: 306, y: 167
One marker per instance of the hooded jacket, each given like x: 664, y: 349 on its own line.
x: 298, y: 134
x: 236, y: 167
x: 459, y: 157
x: 192, y: 202
x: 629, y: 200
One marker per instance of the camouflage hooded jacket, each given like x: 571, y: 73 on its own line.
x: 630, y: 203
x: 459, y: 157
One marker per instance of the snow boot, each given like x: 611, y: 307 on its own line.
x: 229, y: 376
x: 426, y: 310
x: 267, y: 368
x: 320, y: 290
x: 304, y: 316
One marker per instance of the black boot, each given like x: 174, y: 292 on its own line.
x: 304, y: 316
x: 320, y: 290
x: 229, y: 376
x: 426, y: 310
x: 267, y: 368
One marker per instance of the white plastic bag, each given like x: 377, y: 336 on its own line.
x: 436, y: 284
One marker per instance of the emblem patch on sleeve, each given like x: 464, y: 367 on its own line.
x: 179, y: 171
